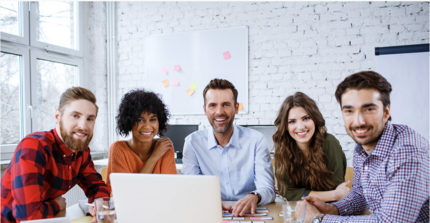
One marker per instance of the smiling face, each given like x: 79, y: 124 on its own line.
x: 300, y: 127
x: 146, y: 127
x: 220, y: 109
x: 364, y: 116
x: 76, y: 124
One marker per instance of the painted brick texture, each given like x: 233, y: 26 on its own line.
x: 293, y: 46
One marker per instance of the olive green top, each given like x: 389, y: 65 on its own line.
x: 336, y: 164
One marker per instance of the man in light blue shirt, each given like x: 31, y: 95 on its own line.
x: 238, y: 156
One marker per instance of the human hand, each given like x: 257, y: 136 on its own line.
x: 226, y: 208
x: 276, y: 189
x: 161, y: 147
x: 311, y: 212
x: 247, y: 203
x: 321, y: 205
x: 92, y: 211
x: 61, y: 202
x: 341, y: 191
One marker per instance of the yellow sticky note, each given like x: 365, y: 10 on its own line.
x: 193, y: 85
x: 190, y: 91
x: 240, y: 106
x: 166, y: 83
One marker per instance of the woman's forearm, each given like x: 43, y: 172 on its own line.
x: 149, y: 166
x: 326, y: 196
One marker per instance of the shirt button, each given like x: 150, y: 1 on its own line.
x: 225, y: 169
x: 365, y: 167
x: 227, y: 183
x: 364, y: 191
x: 64, y: 155
x: 70, y: 167
x: 69, y: 187
x: 346, y: 210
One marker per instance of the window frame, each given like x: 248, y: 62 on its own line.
x: 29, y: 53
x: 24, y: 39
x: 7, y: 150
x: 36, y: 54
x: 52, y: 47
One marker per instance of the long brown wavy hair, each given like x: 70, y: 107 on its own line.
x: 311, y: 171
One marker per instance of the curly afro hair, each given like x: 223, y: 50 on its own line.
x: 133, y: 104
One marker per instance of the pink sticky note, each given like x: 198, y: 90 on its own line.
x: 226, y: 55
x: 175, y: 81
x: 177, y: 68
x: 164, y: 70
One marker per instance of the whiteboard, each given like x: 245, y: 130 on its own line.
x: 200, y: 55
x: 408, y: 75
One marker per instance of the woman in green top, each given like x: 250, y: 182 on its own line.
x: 308, y: 160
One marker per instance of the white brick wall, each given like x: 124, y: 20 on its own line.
x: 294, y: 46
x: 95, y: 67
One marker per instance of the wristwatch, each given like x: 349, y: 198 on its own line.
x: 318, y: 218
x: 258, y: 195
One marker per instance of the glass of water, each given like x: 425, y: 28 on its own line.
x: 105, y: 210
x: 294, y: 213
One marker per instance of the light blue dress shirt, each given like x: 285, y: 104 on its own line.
x: 243, y: 165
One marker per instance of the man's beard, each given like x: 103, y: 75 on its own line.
x: 74, y: 144
x: 226, y: 128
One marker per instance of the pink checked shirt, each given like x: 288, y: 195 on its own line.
x: 392, y: 181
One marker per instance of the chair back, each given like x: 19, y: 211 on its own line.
x: 349, y: 175
x: 103, y: 172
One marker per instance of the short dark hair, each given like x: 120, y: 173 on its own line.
x: 220, y: 84
x: 365, y: 80
x: 77, y: 93
x: 134, y: 103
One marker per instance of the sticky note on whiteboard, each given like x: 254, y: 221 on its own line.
x: 164, y: 70
x: 165, y: 83
x: 175, y: 81
x: 240, y: 106
x: 190, y: 92
x: 193, y: 85
x: 226, y: 55
x: 177, y: 68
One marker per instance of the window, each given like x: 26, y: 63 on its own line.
x: 46, y: 62
x: 14, y: 22
x: 54, y: 25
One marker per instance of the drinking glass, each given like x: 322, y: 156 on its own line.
x: 294, y: 214
x: 105, y: 210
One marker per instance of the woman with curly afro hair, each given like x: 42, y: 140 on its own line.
x: 144, y: 115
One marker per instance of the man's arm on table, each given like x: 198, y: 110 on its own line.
x: 403, y: 198
x: 263, y: 180
x: 28, y: 188
x: 91, y: 181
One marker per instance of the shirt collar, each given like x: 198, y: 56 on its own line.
x: 234, y: 139
x: 63, y: 148
x: 384, y: 144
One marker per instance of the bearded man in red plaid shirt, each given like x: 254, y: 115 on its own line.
x: 46, y: 165
x: 391, y: 161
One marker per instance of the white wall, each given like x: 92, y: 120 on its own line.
x: 293, y: 46
x: 95, y: 67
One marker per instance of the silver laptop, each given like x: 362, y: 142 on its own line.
x: 162, y: 198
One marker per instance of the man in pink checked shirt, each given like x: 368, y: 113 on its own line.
x: 391, y: 162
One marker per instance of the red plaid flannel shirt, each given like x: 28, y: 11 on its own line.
x: 43, y: 168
